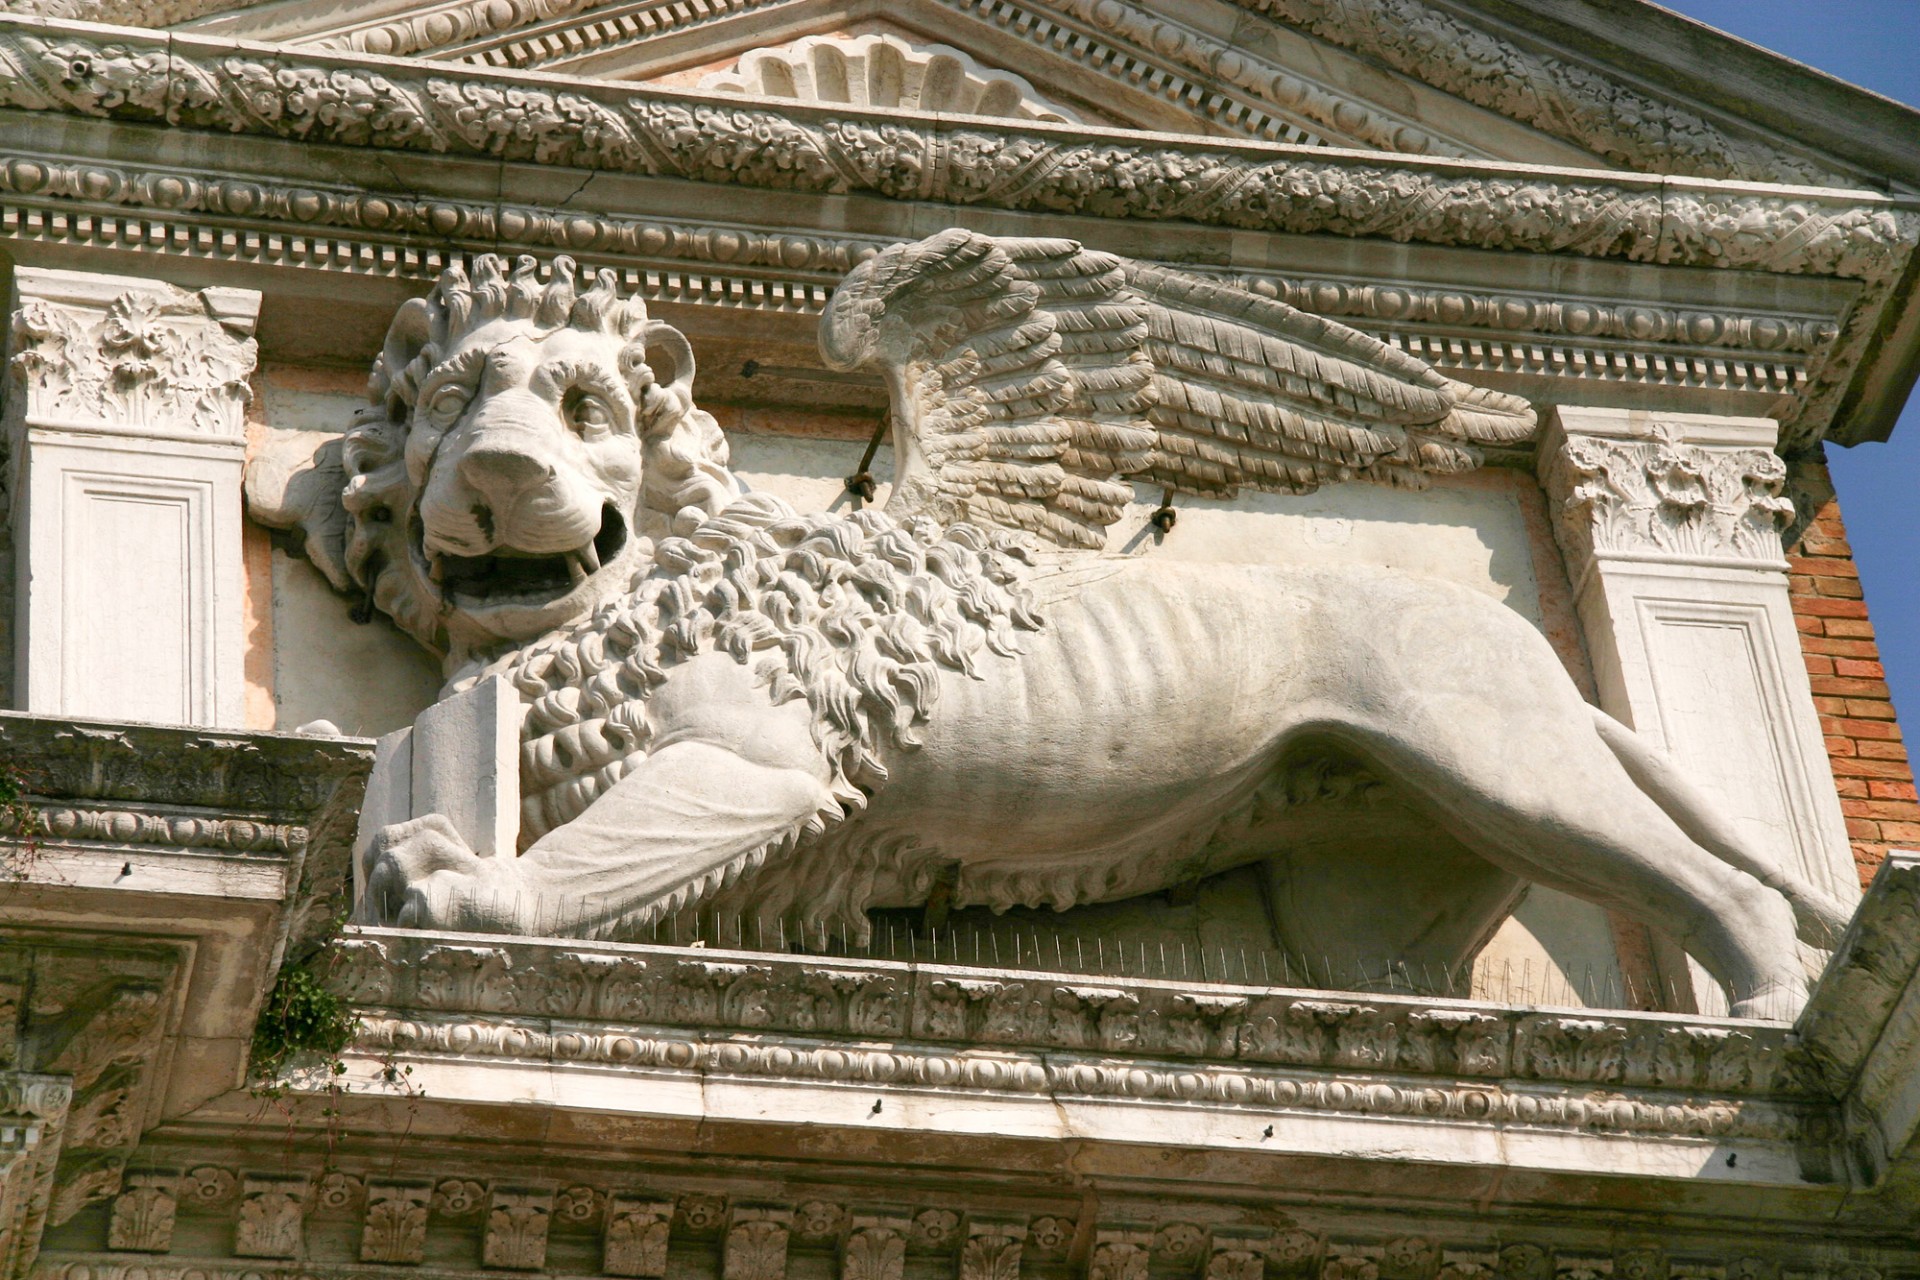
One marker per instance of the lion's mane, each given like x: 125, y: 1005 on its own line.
x: 853, y: 613
x: 685, y: 452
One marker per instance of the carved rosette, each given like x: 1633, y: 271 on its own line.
x: 150, y: 358
x: 1661, y: 497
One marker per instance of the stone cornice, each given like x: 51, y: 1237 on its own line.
x: 1564, y: 99
x: 1211, y: 1042
x: 117, y: 766
x: 359, y: 101
x: 1577, y: 103
x: 491, y: 117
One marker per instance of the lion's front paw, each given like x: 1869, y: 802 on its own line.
x: 422, y: 875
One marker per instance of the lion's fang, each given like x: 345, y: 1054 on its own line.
x: 591, y: 555
x: 436, y: 567
x: 576, y: 571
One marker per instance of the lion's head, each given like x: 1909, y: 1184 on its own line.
x: 519, y: 456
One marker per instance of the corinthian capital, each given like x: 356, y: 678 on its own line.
x: 1641, y: 486
x: 141, y: 357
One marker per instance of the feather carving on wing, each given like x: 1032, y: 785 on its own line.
x: 1031, y: 379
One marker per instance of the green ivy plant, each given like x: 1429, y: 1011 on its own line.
x: 17, y: 819
x: 300, y: 1016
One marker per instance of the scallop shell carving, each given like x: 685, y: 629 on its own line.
x: 883, y: 71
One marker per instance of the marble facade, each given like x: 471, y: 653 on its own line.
x: 211, y: 214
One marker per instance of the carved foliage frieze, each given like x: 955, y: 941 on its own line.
x: 875, y: 1242
x: 155, y: 357
x: 651, y: 986
x: 1564, y: 100
x: 1665, y: 497
x: 1008, y: 167
x: 1558, y: 97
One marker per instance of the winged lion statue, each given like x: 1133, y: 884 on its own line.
x: 813, y: 714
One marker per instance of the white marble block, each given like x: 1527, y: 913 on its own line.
x: 1671, y: 528
x: 125, y: 402
x: 461, y: 760
x: 466, y: 765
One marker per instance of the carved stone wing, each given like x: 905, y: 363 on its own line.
x: 1018, y: 375
x: 1250, y: 391
x: 1030, y: 377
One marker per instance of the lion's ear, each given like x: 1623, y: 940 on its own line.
x: 293, y: 481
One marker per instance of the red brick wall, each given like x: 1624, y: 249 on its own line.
x: 1849, y: 687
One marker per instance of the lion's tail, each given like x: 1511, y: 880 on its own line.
x: 1819, y: 917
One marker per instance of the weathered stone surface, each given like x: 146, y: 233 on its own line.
x: 1429, y: 174
x: 527, y: 522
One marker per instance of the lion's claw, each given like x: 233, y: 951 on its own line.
x: 422, y: 875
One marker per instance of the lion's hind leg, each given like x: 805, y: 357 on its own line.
x: 1821, y: 917
x: 1530, y: 785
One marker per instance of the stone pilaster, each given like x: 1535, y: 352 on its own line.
x: 124, y: 411
x: 33, y: 1113
x: 1670, y: 524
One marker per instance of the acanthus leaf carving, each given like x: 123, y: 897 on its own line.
x: 637, y: 1233
x: 876, y: 1249
x: 395, y: 1230
x: 142, y: 1217
x: 1664, y: 496
x: 516, y: 1230
x: 271, y: 1210
x: 756, y: 1243
x: 152, y: 358
x: 1120, y: 1254
x: 993, y: 1248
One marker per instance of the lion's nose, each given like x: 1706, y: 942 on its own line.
x: 503, y: 475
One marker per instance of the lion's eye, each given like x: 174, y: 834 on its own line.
x: 447, y: 404
x: 588, y: 414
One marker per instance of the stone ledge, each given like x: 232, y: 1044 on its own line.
x: 866, y: 1046
x: 407, y: 972
x: 144, y: 916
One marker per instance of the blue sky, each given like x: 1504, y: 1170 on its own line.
x: 1871, y: 43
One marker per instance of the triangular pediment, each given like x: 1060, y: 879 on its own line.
x: 1580, y: 83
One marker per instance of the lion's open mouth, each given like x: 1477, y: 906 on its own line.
x: 506, y: 576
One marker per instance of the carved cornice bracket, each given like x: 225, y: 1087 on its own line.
x: 82, y: 1030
